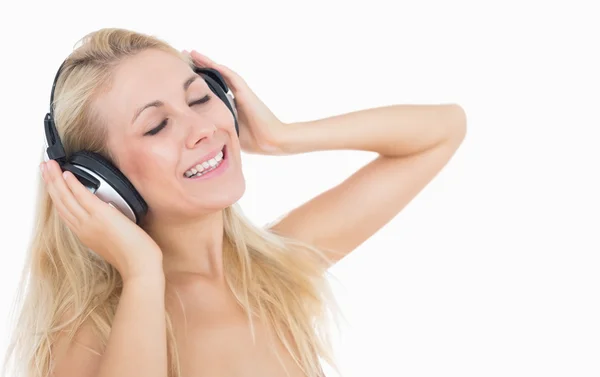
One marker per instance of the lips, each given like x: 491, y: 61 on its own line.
x: 206, y: 157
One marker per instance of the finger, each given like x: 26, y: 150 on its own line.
x: 63, y: 213
x: 65, y: 192
x: 232, y: 79
x: 187, y: 54
x: 88, y: 201
x: 201, y: 58
x: 54, y: 192
x: 208, y: 62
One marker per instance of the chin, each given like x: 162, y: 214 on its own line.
x: 202, y: 197
x: 219, y: 199
x: 200, y: 206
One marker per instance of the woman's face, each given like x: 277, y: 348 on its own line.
x: 163, y: 120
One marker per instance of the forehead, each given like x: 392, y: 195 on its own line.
x: 148, y: 76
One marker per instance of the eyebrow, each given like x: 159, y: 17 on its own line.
x: 186, y: 85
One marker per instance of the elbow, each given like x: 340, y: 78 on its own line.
x: 457, y: 121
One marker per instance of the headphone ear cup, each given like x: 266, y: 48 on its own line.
x: 86, y: 179
x: 217, y: 85
x: 113, y: 188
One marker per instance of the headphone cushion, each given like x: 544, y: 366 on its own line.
x: 217, y: 88
x: 114, y: 177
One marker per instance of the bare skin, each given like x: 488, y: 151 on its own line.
x: 214, y: 334
x: 413, y: 142
x: 185, y: 225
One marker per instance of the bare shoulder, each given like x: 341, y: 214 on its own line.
x: 79, y: 356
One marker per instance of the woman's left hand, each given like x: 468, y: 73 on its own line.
x: 260, y: 130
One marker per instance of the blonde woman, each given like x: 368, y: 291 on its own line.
x: 189, y: 287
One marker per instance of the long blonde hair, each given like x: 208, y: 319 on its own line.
x: 278, y: 280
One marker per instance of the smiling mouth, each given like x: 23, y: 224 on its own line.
x: 207, y: 166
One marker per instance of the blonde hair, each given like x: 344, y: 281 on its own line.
x: 63, y: 286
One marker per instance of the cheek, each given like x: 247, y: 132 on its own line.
x: 227, y: 123
x: 151, y: 163
x: 222, y: 116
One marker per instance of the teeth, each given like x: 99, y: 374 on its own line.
x: 205, y: 166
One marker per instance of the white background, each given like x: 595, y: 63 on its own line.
x: 493, y: 270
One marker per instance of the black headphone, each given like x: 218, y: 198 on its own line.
x: 98, y: 174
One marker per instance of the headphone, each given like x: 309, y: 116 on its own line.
x: 98, y: 174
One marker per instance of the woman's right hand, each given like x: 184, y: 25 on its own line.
x: 101, y: 227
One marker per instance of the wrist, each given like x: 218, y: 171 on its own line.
x: 294, y: 138
x: 149, y: 269
x: 147, y: 279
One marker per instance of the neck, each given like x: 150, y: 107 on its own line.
x: 191, y: 249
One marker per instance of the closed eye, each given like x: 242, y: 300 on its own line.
x: 163, y: 124
x: 204, y: 99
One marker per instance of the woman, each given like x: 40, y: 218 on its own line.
x: 194, y: 289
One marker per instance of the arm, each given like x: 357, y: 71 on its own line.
x: 137, y: 342
x: 414, y: 143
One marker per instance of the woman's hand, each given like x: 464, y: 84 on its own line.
x: 101, y: 227
x: 260, y: 130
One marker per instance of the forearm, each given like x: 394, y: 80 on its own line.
x: 137, y: 345
x: 398, y: 130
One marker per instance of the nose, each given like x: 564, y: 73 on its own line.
x: 199, y: 129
